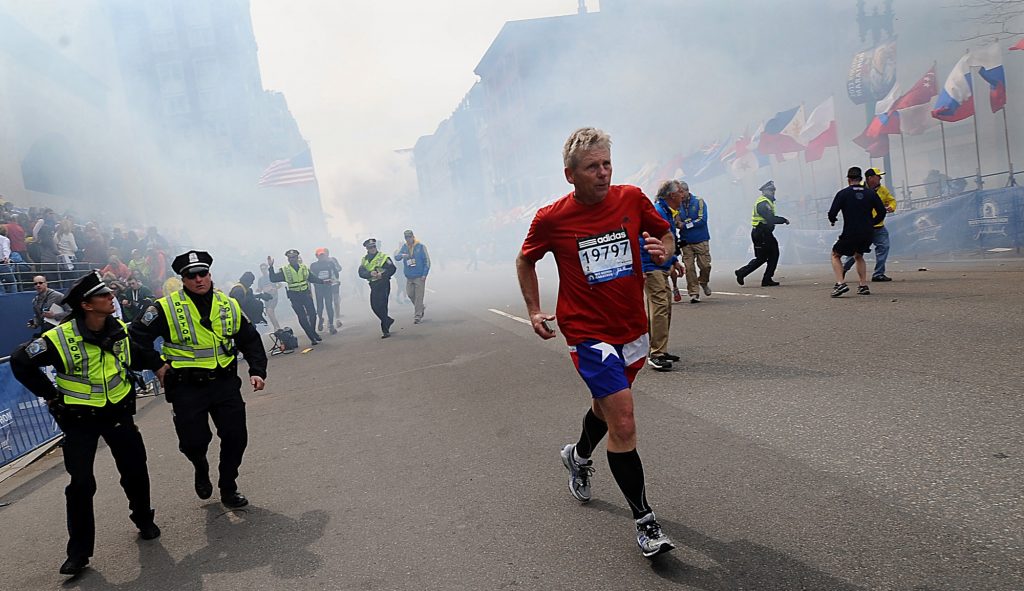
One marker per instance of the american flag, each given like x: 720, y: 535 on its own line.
x: 290, y: 171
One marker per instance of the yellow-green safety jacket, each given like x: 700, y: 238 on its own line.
x: 91, y: 376
x: 192, y: 344
x: 374, y: 264
x: 756, y: 218
x: 297, y: 280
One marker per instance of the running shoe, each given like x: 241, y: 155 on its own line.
x: 579, y: 474
x: 839, y: 289
x: 863, y: 290
x: 707, y: 290
x: 659, y: 363
x: 650, y: 537
x: 676, y: 296
x: 670, y: 357
x: 882, y: 277
x: 694, y: 298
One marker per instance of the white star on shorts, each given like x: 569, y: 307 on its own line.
x: 606, y: 350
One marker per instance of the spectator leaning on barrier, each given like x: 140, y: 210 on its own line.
x: 42, y: 306
x: 93, y: 398
x: 135, y: 299
x: 7, y: 280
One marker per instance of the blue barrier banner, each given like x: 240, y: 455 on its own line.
x: 15, y: 311
x: 25, y: 422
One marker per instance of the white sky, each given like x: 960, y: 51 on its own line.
x: 364, y: 78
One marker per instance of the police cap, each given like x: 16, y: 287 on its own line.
x: 291, y: 252
x: 370, y: 242
x: 88, y: 286
x: 191, y: 261
x: 766, y: 186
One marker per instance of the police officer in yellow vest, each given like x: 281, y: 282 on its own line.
x: 91, y: 353
x: 297, y: 279
x: 766, y: 247
x: 377, y: 268
x: 203, y: 330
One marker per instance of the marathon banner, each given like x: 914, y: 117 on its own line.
x: 979, y: 221
x: 872, y: 73
x: 25, y: 422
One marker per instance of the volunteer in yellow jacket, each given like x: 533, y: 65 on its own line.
x: 880, y: 239
x: 93, y: 397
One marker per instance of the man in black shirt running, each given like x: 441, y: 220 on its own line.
x: 862, y: 209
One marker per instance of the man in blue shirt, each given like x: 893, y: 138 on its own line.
x: 656, y: 284
x: 416, y: 266
x: 693, y: 229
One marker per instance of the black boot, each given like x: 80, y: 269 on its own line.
x: 204, y: 488
x: 233, y: 500
x: 74, y: 565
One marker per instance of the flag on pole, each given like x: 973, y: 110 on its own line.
x: 914, y: 106
x: 990, y: 62
x: 956, y: 99
x: 782, y: 132
x: 290, y: 171
x: 820, y: 131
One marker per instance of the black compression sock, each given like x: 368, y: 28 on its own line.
x: 629, y: 475
x: 593, y: 430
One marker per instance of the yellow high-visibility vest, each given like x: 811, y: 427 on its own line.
x: 756, y: 218
x: 192, y: 344
x: 297, y: 280
x: 91, y: 376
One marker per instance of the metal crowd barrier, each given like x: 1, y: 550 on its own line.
x: 25, y: 421
x: 17, y: 277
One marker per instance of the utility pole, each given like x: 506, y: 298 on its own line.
x: 876, y: 24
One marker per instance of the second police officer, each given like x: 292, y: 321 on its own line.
x: 203, y: 331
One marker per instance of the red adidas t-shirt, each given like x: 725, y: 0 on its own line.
x: 596, y: 247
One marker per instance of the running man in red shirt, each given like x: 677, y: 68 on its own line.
x: 595, y: 233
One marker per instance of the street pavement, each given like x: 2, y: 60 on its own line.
x: 804, y: 442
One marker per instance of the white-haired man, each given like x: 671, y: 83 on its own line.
x: 595, y: 233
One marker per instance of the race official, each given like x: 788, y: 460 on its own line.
x: 656, y: 281
x: 696, y: 251
x: 377, y: 269
x: 415, y: 266
x: 93, y: 398
x: 203, y: 331
x: 297, y: 278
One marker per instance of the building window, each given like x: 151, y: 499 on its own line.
x: 175, y: 104
x: 207, y: 72
x: 172, y: 79
x: 200, y: 37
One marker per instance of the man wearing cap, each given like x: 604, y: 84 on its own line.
x: 880, y: 237
x: 93, y: 398
x: 324, y: 268
x: 766, y: 247
x: 297, y: 278
x: 416, y: 266
x: 377, y: 268
x: 862, y: 209
x: 203, y: 330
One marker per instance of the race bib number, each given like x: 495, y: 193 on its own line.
x: 412, y: 262
x: 324, y: 275
x: 606, y: 256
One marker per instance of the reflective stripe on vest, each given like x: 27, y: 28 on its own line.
x: 296, y: 280
x: 374, y: 264
x: 191, y: 343
x: 756, y: 218
x: 91, y: 376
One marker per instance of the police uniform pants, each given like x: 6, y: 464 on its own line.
x: 194, y: 404
x: 380, y: 291
x: 302, y: 303
x: 325, y: 300
x: 766, y: 250
x: 81, y: 437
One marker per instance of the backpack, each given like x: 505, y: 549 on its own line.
x: 286, y: 340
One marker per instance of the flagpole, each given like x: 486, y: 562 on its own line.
x: 1011, y: 182
x: 977, y: 144
x: 945, y: 161
x: 906, y: 174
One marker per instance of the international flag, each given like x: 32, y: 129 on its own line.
x: 290, y: 171
x: 711, y: 165
x: 782, y: 132
x: 915, y: 107
x: 875, y: 138
x: 1018, y: 45
x: 747, y: 160
x: 956, y: 99
x: 820, y: 131
x: 990, y: 62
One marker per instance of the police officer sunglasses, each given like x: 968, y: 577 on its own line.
x: 194, y: 274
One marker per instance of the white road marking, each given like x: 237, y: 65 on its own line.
x: 507, y: 315
x: 748, y: 295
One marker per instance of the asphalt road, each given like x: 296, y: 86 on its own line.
x: 803, y: 443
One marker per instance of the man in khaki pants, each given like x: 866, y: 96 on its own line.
x: 413, y: 255
x: 693, y: 229
x: 656, y: 283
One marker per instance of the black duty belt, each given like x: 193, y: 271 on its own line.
x: 197, y: 374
